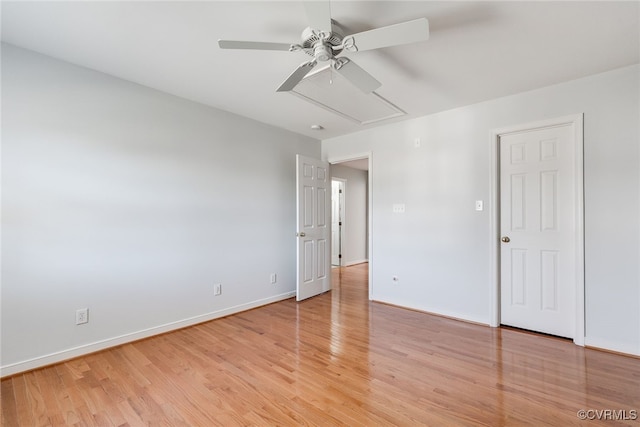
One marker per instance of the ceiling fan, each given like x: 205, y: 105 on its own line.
x: 323, y: 40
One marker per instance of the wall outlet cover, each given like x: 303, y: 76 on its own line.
x: 82, y: 316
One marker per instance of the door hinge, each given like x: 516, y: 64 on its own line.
x: 340, y: 223
x: 339, y: 255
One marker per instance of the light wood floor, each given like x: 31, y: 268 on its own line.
x: 336, y: 359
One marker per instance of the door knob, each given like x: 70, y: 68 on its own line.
x: 506, y: 239
x: 301, y: 234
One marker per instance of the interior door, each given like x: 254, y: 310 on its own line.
x: 314, y: 222
x: 537, y: 225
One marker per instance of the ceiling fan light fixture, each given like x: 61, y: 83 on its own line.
x: 322, y: 53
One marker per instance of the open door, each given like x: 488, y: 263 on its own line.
x: 313, y: 186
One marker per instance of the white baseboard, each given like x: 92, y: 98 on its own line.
x: 60, y: 356
x: 618, y: 347
x: 440, y: 313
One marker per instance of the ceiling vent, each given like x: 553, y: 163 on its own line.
x: 331, y: 91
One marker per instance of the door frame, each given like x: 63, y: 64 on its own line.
x: 359, y: 156
x: 577, y: 122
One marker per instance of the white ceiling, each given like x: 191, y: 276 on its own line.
x: 477, y: 50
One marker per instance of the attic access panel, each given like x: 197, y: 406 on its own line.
x: 329, y: 90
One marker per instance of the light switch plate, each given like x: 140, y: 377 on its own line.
x: 398, y: 208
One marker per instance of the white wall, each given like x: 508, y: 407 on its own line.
x: 133, y: 203
x: 440, y: 249
x: 354, y: 248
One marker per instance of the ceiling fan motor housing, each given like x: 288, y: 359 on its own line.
x: 321, y: 45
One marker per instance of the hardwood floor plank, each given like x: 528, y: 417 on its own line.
x: 335, y: 359
x: 8, y: 409
x: 22, y: 401
x: 49, y: 387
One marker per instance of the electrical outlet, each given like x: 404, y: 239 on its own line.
x: 217, y: 289
x: 82, y: 316
x: 274, y: 278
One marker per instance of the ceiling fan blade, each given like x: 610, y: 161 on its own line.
x: 235, y: 44
x: 392, y: 35
x: 319, y: 15
x: 297, y: 76
x: 357, y: 76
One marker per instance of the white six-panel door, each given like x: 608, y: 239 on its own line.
x: 537, y: 226
x: 314, y: 227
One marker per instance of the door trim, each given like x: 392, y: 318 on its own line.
x: 359, y: 156
x: 577, y: 122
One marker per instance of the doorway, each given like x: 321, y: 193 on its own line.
x: 357, y: 219
x: 537, y: 218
